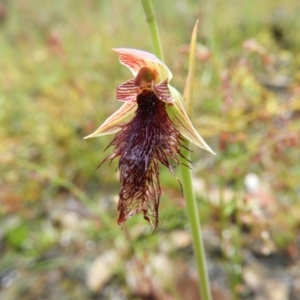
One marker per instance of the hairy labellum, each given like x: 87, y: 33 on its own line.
x: 149, y: 138
x: 158, y: 123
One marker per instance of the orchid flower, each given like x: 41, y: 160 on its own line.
x: 150, y: 128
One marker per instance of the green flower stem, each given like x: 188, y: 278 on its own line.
x: 192, y: 208
x: 150, y: 18
x: 185, y: 171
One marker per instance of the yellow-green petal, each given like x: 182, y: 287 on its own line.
x: 113, y: 123
x: 181, y: 120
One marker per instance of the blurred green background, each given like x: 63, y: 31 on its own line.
x: 58, y: 233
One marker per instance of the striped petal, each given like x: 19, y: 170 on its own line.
x: 162, y: 91
x: 113, y: 123
x: 127, y: 91
x: 181, y: 120
x: 137, y: 59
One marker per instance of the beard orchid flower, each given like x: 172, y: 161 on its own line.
x: 150, y: 128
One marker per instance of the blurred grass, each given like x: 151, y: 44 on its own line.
x: 57, y: 84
